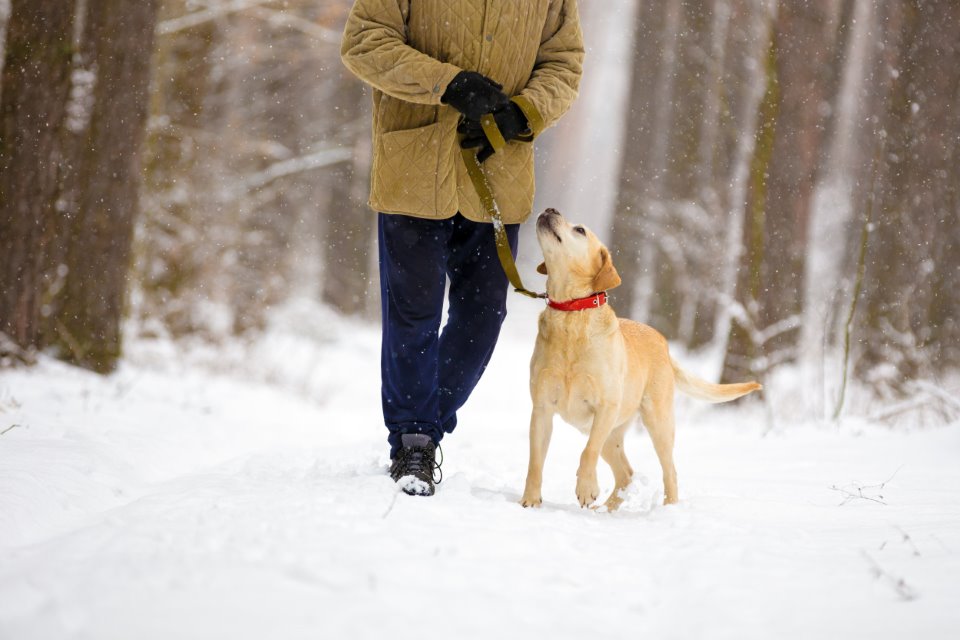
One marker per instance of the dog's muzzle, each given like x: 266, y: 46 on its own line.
x: 546, y: 222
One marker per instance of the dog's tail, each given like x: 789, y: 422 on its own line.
x: 703, y: 390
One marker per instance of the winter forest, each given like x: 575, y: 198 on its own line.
x: 183, y: 200
x: 777, y: 181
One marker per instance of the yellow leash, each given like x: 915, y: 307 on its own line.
x: 482, y: 187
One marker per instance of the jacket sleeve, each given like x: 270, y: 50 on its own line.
x: 553, y: 86
x: 375, y: 49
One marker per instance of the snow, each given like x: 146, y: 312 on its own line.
x: 241, y: 491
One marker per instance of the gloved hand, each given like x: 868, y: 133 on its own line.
x: 511, y: 122
x: 473, y: 94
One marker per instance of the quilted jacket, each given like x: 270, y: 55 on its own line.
x: 409, y: 50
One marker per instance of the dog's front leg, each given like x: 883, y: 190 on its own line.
x: 541, y: 428
x: 587, y: 487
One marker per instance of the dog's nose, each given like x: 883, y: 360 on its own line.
x: 551, y: 212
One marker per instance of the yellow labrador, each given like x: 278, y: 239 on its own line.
x: 599, y: 372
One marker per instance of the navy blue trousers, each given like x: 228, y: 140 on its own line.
x: 428, y: 374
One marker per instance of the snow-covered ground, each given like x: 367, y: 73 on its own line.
x: 241, y: 492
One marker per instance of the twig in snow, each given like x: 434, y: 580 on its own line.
x: 907, y: 539
x: 855, y: 491
x: 10, y: 428
x: 940, y: 542
x: 7, y: 401
x: 900, y: 586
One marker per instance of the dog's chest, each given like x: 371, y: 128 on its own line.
x: 571, y: 372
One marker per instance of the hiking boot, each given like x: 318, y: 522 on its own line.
x: 414, y: 465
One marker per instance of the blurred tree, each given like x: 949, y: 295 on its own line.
x: 644, y: 158
x: 347, y: 235
x: 849, y: 144
x: 783, y: 177
x: 909, y: 328
x: 101, y: 190
x: 252, y: 139
x: 178, y: 242
x: 681, y: 222
x: 742, y: 88
x: 695, y: 91
x: 36, y: 87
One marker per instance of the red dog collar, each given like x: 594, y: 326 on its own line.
x: 579, y: 304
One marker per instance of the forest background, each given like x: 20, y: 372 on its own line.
x: 778, y: 181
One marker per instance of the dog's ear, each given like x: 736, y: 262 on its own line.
x: 607, y: 277
x: 542, y: 268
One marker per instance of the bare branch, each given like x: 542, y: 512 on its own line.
x: 190, y: 20
x: 11, y: 352
x: 924, y: 395
x: 309, y: 162
x: 282, y: 18
x: 900, y: 586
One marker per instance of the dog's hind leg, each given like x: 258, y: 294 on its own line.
x: 541, y: 428
x: 656, y: 410
x: 615, y: 456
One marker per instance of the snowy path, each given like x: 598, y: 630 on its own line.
x: 167, y: 503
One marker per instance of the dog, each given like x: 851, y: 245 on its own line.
x: 599, y: 372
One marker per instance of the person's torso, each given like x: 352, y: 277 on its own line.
x: 498, y: 38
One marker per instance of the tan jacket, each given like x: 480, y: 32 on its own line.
x: 409, y: 50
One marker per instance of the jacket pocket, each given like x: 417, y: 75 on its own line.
x: 406, y: 171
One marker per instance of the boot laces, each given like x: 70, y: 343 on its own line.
x: 413, y: 460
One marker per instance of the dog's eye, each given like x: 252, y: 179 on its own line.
x: 580, y: 230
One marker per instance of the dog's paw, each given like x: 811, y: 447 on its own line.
x: 587, y: 491
x: 613, y: 502
x: 531, y: 500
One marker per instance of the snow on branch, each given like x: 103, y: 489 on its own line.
x: 920, y: 396
x: 300, y: 164
x: 282, y: 18
x: 11, y: 352
x: 190, y: 20
x: 746, y: 317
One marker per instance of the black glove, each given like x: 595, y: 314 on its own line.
x: 511, y: 122
x: 473, y: 94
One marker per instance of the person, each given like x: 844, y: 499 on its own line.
x: 436, y: 68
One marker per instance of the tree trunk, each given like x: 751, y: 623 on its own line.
x: 710, y: 185
x: 771, y: 287
x: 644, y: 161
x: 177, y: 244
x: 744, y: 87
x: 744, y: 344
x: 909, y: 328
x: 116, y: 48
x: 348, y: 233
x: 36, y: 86
x: 848, y: 150
x: 682, y: 227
